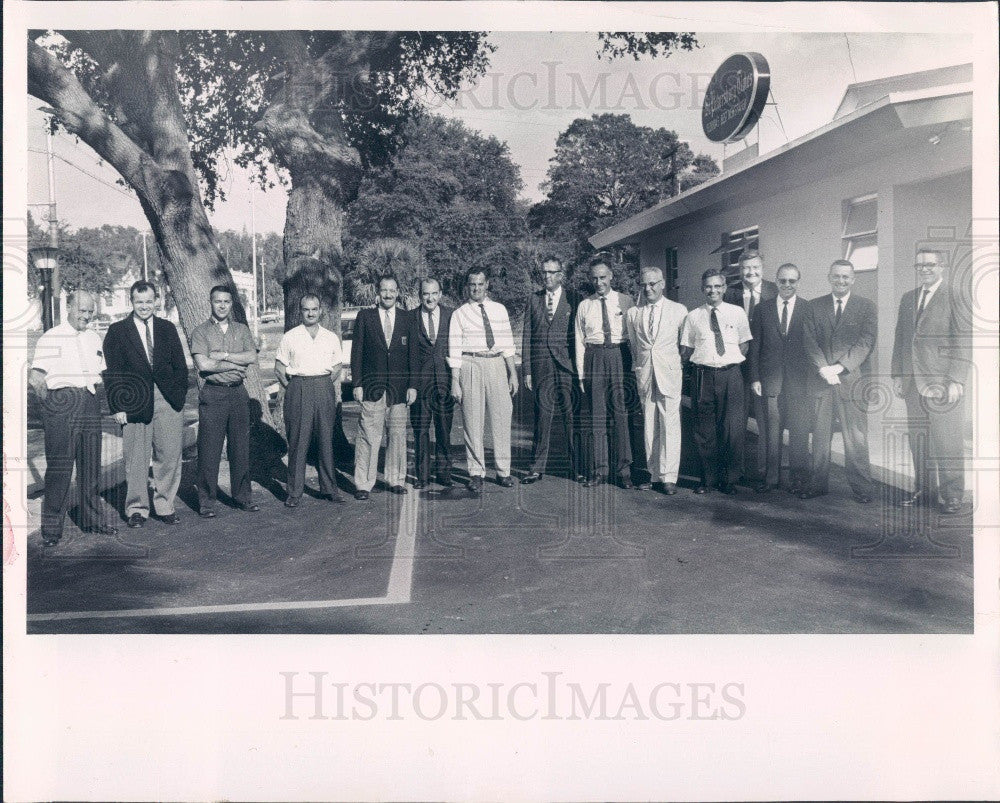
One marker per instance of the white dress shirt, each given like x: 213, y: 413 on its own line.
x: 843, y: 303
x: 432, y: 324
x: 304, y: 355
x: 69, y: 358
x: 552, y: 299
x: 748, y: 294
x: 930, y: 292
x: 140, y: 327
x: 467, y: 332
x: 697, y: 334
x: 791, y: 309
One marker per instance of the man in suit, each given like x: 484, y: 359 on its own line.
x: 930, y: 363
x: 752, y: 291
x: 147, y: 380
x: 715, y: 338
x: 483, y: 377
x: 429, y: 366
x: 654, y: 331
x: 380, y: 367
x: 65, y: 372
x: 779, y: 370
x: 601, y: 355
x: 839, y: 336
x: 549, y: 366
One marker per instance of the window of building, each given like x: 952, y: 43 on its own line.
x: 733, y: 244
x: 670, y: 288
x: 860, y: 238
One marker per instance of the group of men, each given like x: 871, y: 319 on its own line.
x: 756, y: 350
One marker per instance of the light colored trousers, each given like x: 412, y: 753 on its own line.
x: 161, y: 442
x: 661, y: 416
x: 484, y: 391
x: 374, y: 417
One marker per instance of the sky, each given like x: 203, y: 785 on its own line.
x: 537, y: 84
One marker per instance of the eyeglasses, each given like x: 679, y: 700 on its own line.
x: 787, y: 281
x: 927, y: 265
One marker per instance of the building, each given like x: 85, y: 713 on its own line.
x: 891, y: 171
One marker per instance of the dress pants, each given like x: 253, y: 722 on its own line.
x: 755, y: 407
x: 434, y: 406
x: 310, y: 409
x: 936, y: 443
x: 721, y: 425
x: 374, y: 417
x: 854, y: 426
x: 485, y: 392
x: 555, y: 389
x: 72, y: 421
x: 661, y: 417
x: 791, y: 412
x: 605, y: 391
x: 161, y: 442
x: 223, y: 413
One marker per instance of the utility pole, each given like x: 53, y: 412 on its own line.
x: 253, y: 263
x: 53, y: 227
x: 145, y: 260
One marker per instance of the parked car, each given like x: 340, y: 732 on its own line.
x: 270, y: 316
x: 348, y: 315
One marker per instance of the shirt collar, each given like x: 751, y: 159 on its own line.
x: 933, y: 288
x: 843, y: 301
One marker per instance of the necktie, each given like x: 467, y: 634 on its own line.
x: 923, y: 301
x: 605, y: 321
x: 387, y: 328
x: 751, y: 305
x: 784, y: 320
x: 550, y: 306
x: 836, y: 315
x: 720, y: 346
x: 149, y: 342
x: 430, y: 327
x: 651, y: 321
x: 486, y: 325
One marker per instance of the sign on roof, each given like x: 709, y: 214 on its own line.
x: 735, y: 97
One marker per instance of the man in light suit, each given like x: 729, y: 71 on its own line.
x: 549, y: 367
x: 751, y: 293
x: 930, y: 363
x: 779, y: 370
x: 654, y: 330
x: 839, y: 337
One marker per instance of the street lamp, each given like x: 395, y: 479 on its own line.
x: 46, y: 261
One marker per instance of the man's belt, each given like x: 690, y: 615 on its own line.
x: 717, y: 367
x: 482, y: 354
x: 603, y: 346
x: 225, y: 384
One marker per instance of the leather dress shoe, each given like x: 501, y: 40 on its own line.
x: 506, y: 481
x: 701, y: 489
x: 913, y: 500
x: 530, y: 477
x: 581, y: 478
x: 399, y: 490
x: 335, y: 498
x: 626, y: 483
x: 951, y: 507
x: 445, y: 480
x: 644, y: 486
x: 292, y: 501
x: 763, y: 488
x: 361, y: 496
x: 206, y: 513
x: 136, y: 520
x: 101, y: 529
x: 811, y: 494
x: 171, y: 518
x: 249, y: 507
x: 51, y: 540
x: 592, y: 482
x: 476, y: 485
x: 862, y: 499
x: 419, y: 485
x: 668, y: 488
x: 729, y: 489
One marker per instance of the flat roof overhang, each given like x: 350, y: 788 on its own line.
x: 865, y: 134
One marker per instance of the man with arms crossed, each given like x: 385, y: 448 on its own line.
x: 483, y: 377
x: 930, y: 363
x: 715, y: 338
x: 654, y: 334
x: 222, y: 350
x: 65, y: 373
x: 549, y: 367
x: 778, y: 373
x: 308, y: 364
x: 147, y: 381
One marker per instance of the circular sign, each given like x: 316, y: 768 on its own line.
x: 735, y: 97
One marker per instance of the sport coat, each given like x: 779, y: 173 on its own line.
x: 734, y: 294
x: 934, y: 350
x: 657, y: 357
x: 779, y: 362
x: 381, y: 368
x: 541, y: 340
x: 130, y: 378
x: 849, y: 343
x: 429, y: 361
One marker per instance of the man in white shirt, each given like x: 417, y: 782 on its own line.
x: 308, y: 364
x: 654, y: 334
x: 483, y: 377
x: 715, y: 338
x: 601, y: 340
x: 65, y: 372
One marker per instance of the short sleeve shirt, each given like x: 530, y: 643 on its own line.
x: 697, y: 334
x: 69, y: 358
x: 208, y: 337
x: 304, y: 355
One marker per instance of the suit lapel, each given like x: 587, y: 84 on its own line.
x: 133, y: 336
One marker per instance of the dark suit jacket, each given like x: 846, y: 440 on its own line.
x: 542, y: 341
x: 377, y: 367
x: 850, y: 343
x: 734, y: 294
x: 129, y: 378
x: 429, y: 361
x: 935, y: 350
x: 779, y: 363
